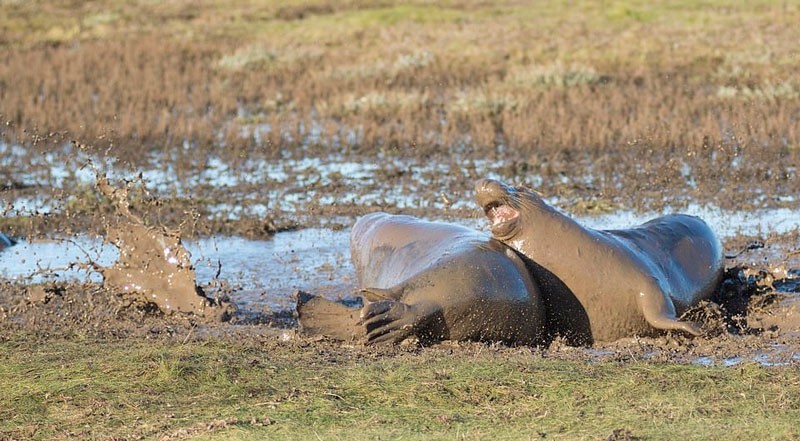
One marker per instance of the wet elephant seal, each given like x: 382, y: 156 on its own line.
x: 613, y: 283
x: 436, y: 281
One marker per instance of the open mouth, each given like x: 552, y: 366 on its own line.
x: 500, y: 213
x: 499, y: 205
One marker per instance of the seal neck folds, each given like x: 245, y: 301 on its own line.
x: 517, y: 213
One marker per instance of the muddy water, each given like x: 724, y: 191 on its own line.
x: 309, y: 190
x: 265, y: 273
x: 258, y: 273
x: 261, y: 274
x: 726, y: 223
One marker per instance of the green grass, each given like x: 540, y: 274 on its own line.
x: 223, y: 390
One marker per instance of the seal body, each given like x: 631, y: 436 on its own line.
x: 436, y: 281
x: 602, y: 285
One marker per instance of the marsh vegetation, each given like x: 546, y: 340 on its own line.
x: 252, y: 119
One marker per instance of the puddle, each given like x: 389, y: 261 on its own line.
x: 262, y: 274
x: 729, y: 361
x: 704, y: 361
x: 289, y: 185
x: 303, y: 181
x: 52, y: 259
x: 773, y: 356
x: 265, y: 273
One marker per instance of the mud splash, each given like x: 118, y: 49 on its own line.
x: 153, y: 263
x: 253, y: 274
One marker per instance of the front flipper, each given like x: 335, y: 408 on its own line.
x: 393, y: 321
x: 659, y: 312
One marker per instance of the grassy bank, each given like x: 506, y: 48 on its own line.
x: 139, y: 389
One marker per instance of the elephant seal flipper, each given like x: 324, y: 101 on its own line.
x: 386, y: 318
x: 320, y: 316
x: 659, y: 312
x: 394, y: 321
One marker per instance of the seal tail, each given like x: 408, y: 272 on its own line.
x: 322, y: 317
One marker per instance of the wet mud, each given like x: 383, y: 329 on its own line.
x: 745, y: 322
x: 755, y: 313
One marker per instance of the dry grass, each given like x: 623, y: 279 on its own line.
x: 692, y: 99
x: 408, y: 79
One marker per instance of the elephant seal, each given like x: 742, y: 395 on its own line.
x: 611, y: 283
x: 435, y: 281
